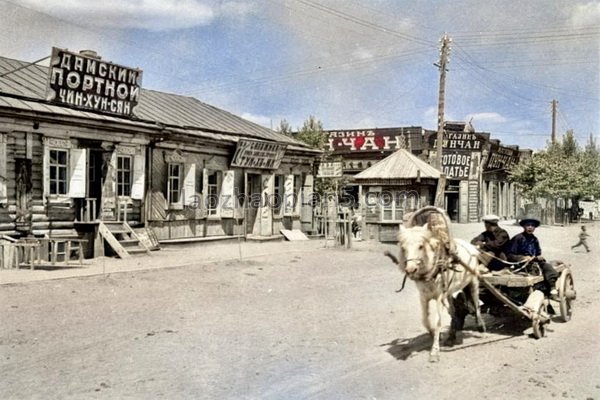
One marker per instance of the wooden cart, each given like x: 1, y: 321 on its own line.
x: 518, y: 292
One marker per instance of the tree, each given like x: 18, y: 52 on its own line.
x: 562, y: 170
x: 285, y: 128
x: 311, y: 133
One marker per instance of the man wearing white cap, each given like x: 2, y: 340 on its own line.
x: 492, y: 242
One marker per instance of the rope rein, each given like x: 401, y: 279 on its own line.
x: 523, y: 264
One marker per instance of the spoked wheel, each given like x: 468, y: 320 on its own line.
x: 537, y: 322
x: 566, y: 294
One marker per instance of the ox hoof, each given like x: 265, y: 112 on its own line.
x: 433, y: 358
x: 452, y: 340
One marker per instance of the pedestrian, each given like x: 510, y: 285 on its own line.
x: 583, y: 235
x: 356, y: 223
x: 525, y: 247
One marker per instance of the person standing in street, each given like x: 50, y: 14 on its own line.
x: 583, y: 235
x: 492, y: 243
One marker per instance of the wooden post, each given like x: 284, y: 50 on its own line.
x: 439, y: 193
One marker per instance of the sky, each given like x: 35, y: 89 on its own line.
x: 353, y: 64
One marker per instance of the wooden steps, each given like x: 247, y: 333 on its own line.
x: 122, y: 239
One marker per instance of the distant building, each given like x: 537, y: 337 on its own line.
x: 475, y: 166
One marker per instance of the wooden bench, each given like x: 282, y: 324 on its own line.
x: 69, y: 245
x: 21, y: 252
x: 38, y: 252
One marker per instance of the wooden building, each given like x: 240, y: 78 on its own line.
x: 82, y: 143
x: 399, y: 184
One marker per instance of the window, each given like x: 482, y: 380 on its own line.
x: 58, y: 171
x: 392, y: 206
x: 174, y: 184
x: 213, y: 193
x: 124, y: 175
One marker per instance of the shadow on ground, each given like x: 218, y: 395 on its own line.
x: 499, y: 328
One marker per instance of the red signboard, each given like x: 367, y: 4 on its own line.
x: 89, y: 83
x: 373, y: 140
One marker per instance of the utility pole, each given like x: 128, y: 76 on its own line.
x: 444, y: 53
x: 554, y: 106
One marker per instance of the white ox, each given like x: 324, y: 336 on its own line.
x: 425, y: 259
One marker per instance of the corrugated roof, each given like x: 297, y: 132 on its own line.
x: 165, y: 108
x: 399, y: 165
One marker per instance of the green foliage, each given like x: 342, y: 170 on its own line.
x: 285, y: 128
x: 562, y: 170
x: 311, y: 133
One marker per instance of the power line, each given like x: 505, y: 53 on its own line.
x: 23, y: 67
x: 476, y: 65
x: 362, y: 22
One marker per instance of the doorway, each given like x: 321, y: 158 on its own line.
x: 452, y: 205
x: 23, y: 194
x: 90, y: 206
x: 254, y: 193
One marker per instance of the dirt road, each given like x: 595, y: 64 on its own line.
x: 325, y: 324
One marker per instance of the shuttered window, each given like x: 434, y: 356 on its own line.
x: 58, y: 166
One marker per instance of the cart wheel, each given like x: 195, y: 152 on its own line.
x: 539, y: 330
x: 566, y: 294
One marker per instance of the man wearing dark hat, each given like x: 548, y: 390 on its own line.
x: 525, y: 247
x: 492, y: 242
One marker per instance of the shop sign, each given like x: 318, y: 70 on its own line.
x: 257, y: 154
x: 385, y: 139
x: 89, y: 83
x: 458, y: 141
x: 501, y: 158
x: 330, y: 169
x: 456, y: 165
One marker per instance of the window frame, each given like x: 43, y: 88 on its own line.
x: 213, y: 199
x: 395, y: 206
x: 57, y: 167
x: 171, y: 178
x: 124, y: 185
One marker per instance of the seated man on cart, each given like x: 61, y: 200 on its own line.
x: 525, y: 247
x: 492, y: 243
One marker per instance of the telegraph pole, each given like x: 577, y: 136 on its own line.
x: 444, y: 53
x: 554, y: 106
